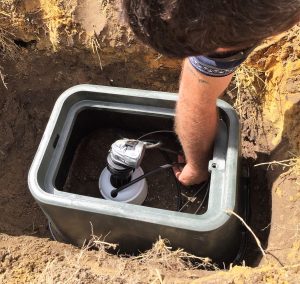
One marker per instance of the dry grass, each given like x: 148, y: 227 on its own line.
x: 278, y: 58
x: 228, y: 211
x: 163, y: 256
x: 57, y: 15
x: 247, y: 80
x: 292, y: 164
x: 93, y: 42
x: 149, y: 267
x: 76, y: 264
x: 8, y: 21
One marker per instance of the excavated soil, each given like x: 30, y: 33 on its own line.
x: 49, y: 55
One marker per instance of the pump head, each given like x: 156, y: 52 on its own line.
x: 123, y: 163
x: 124, y: 157
x: 127, y: 152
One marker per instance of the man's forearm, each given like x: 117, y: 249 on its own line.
x: 196, y: 115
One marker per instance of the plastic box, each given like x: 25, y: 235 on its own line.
x: 82, y: 109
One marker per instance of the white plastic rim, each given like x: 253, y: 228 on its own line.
x: 134, y: 194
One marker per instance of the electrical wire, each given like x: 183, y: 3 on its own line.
x: 198, y: 191
x: 150, y: 145
x: 204, y: 198
x: 158, y: 144
x: 155, y: 132
x: 114, y: 193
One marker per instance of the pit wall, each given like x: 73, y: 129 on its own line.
x: 66, y: 25
x: 278, y: 61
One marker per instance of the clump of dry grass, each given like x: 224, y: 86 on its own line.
x: 247, y: 81
x: 162, y: 255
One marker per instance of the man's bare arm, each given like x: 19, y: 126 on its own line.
x: 196, y: 120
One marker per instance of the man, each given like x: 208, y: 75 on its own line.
x: 216, y: 36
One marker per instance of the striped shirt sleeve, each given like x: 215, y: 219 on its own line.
x: 219, y: 67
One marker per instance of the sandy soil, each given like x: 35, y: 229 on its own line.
x: 267, y: 102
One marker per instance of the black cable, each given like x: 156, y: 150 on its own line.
x: 114, y: 193
x: 202, y: 186
x: 165, y: 151
x: 178, y: 186
x: 177, y: 183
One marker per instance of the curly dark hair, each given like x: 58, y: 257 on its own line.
x: 181, y: 28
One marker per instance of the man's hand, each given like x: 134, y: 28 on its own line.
x: 189, y: 174
x: 197, y: 121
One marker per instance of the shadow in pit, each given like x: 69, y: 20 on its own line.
x: 259, y: 208
x: 262, y: 180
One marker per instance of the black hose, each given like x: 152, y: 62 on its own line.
x: 114, y: 193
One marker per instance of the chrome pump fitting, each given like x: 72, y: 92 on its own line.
x: 123, y: 165
x: 124, y: 157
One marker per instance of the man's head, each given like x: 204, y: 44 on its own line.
x: 183, y: 28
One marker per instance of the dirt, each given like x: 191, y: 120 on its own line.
x: 56, y: 49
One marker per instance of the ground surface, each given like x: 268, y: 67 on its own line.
x: 51, y: 54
